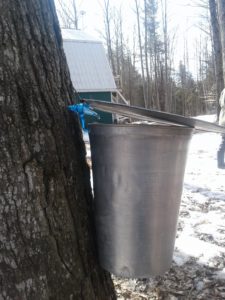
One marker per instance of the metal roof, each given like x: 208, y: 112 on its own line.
x: 87, y: 61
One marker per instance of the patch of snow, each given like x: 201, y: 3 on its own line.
x: 220, y: 274
x: 85, y: 136
x: 180, y: 258
x: 208, y: 118
x: 194, y: 247
x: 200, y: 285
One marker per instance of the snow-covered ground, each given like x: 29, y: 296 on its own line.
x: 201, y: 231
x: 198, y: 268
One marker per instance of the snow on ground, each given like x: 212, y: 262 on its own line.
x: 198, y: 268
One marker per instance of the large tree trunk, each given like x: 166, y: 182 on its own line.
x: 217, y: 49
x: 47, y: 248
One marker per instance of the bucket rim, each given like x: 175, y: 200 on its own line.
x: 142, y: 125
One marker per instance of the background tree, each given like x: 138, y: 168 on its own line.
x: 47, y: 248
x: 165, y: 46
x: 68, y: 13
x: 217, y: 49
x: 107, y: 13
x: 221, y: 17
x: 137, y: 6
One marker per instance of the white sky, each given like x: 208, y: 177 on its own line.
x: 180, y: 16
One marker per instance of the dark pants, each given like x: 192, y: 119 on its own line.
x: 220, y: 154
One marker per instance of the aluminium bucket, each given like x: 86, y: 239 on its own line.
x: 138, y: 175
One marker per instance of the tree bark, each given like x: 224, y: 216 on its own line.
x: 47, y: 245
x: 217, y: 49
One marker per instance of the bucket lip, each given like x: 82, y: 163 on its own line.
x: 142, y: 125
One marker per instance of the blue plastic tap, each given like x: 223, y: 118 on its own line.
x: 83, y: 109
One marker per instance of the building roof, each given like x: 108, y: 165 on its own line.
x: 77, y: 35
x: 87, y: 61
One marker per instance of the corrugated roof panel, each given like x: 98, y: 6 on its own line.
x: 77, y: 35
x: 89, y: 67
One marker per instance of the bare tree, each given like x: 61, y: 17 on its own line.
x: 137, y: 5
x: 165, y: 43
x: 107, y: 14
x: 217, y: 49
x: 119, y: 50
x: 148, y: 83
x: 47, y: 241
x: 221, y: 14
x: 68, y: 13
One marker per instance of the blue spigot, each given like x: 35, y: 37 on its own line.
x: 83, y: 109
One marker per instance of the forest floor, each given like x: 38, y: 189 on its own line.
x: 198, y: 268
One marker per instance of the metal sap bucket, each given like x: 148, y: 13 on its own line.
x: 138, y: 175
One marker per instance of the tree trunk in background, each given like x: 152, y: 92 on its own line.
x: 221, y: 14
x: 148, y: 91
x: 217, y: 49
x: 47, y: 248
x: 165, y: 45
x: 141, y: 52
x: 108, y: 34
x: 75, y: 15
x: 68, y: 13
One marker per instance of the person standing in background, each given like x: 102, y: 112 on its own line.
x: 221, y: 150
